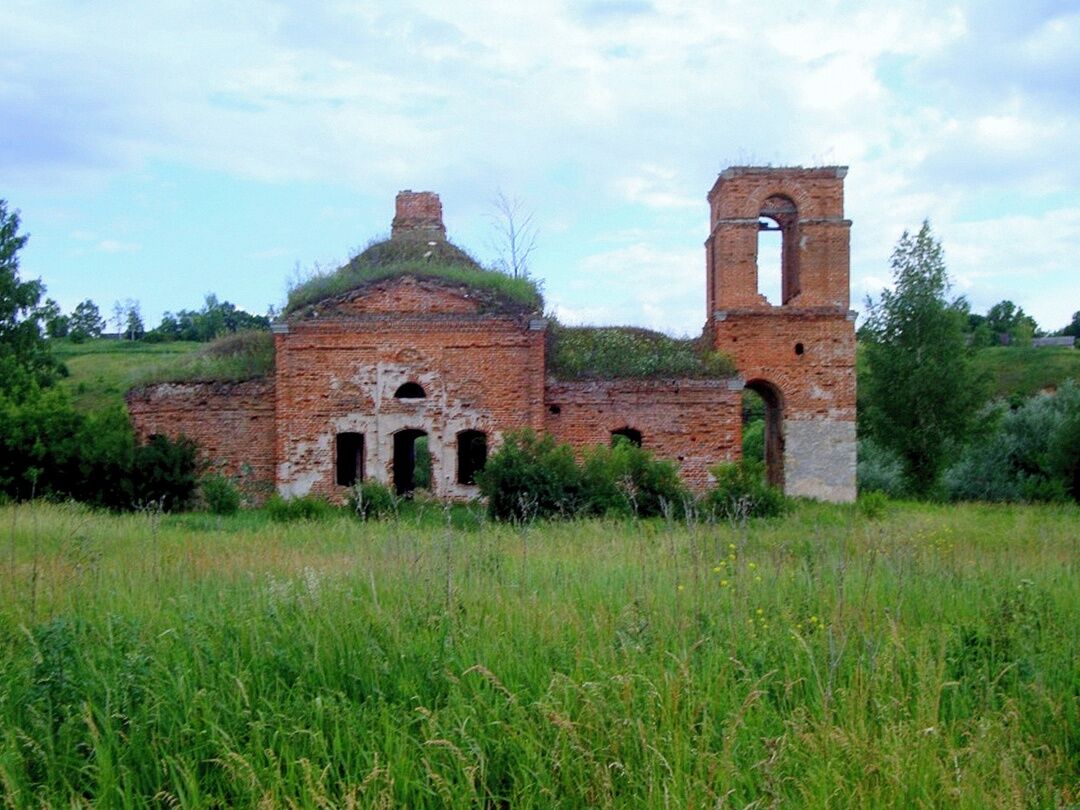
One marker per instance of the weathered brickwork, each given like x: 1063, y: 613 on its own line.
x: 696, y: 423
x: 800, y: 356
x: 232, y: 423
x: 340, y: 375
x: 360, y: 375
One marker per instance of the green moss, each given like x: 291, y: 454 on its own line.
x: 243, y: 356
x: 612, y: 352
x: 417, y: 257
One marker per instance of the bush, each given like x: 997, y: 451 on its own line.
x: 873, y: 505
x: 879, y: 470
x: 49, y: 449
x: 219, y: 495
x: 753, y: 440
x: 307, y: 507
x: 163, y: 473
x: 742, y: 492
x: 531, y: 476
x: 371, y: 499
x: 624, y: 479
x: 1029, y: 453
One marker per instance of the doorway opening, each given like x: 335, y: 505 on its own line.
x: 763, y: 429
x: 412, y: 461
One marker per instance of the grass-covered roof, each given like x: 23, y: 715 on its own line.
x: 421, y: 258
x: 615, y: 352
x: 233, y: 358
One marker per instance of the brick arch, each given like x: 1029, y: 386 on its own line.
x: 791, y: 189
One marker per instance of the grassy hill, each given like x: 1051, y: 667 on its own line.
x: 100, y: 371
x: 1025, y: 370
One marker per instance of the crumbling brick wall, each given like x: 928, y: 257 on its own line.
x: 232, y: 423
x: 338, y: 373
x: 801, y: 353
x: 695, y: 423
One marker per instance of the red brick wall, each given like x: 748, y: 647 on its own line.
x: 695, y: 423
x: 339, y: 374
x: 820, y: 382
x: 233, y: 423
x: 818, y: 245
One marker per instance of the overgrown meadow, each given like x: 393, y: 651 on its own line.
x: 926, y: 656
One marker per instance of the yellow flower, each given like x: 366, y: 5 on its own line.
x: 757, y: 578
x: 753, y: 565
x: 731, y: 546
x: 760, y: 611
x: 723, y: 583
x: 717, y: 569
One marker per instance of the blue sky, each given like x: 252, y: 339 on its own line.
x: 160, y: 151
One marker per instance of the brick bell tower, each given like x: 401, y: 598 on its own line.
x: 798, y: 355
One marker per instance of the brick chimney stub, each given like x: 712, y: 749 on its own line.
x: 418, y: 214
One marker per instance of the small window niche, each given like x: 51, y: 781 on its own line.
x: 410, y: 390
x: 350, y: 458
x: 472, y: 455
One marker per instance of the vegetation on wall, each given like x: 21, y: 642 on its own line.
x: 405, y: 256
x: 613, y: 352
x: 234, y: 358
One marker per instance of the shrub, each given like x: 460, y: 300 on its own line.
x: 624, y: 479
x: 1029, y: 452
x: 371, y: 499
x: 879, y: 470
x: 873, y: 505
x: 753, y: 439
x: 219, y: 495
x: 742, y: 492
x: 306, y: 507
x: 530, y: 476
x: 163, y: 472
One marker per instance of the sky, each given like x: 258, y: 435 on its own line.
x: 162, y: 151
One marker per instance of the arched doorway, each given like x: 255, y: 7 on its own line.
x: 773, y: 438
x: 411, y: 461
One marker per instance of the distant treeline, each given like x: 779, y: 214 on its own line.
x: 215, y: 319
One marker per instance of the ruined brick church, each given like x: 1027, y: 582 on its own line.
x: 362, y: 374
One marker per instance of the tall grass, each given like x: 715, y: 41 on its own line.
x: 928, y: 658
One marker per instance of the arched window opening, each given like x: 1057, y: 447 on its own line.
x: 778, y: 249
x: 350, y: 458
x: 626, y: 434
x: 763, y: 429
x: 410, y: 390
x: 471, y: 455
x: 412, y: 461
x: 769, y: 266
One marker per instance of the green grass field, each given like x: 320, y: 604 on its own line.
x: 101, y: 371
x: 929, y: 658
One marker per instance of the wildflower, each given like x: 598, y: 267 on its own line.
x: 731, y: 546
x: 760, y: 611
x: 682, y: 587
x: 757, y: 578
x: 723, y: 583
x: 753, y: 565
x: 717, y: 569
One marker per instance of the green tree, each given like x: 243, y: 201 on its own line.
x: 1007, y: 318
x: 85, y: 322
x: 25, y: 355
x: 921, y: 392
x: 57, y: 324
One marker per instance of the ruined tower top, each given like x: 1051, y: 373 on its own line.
x: 418, y: 214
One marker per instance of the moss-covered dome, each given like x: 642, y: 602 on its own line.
x: 413, y: 255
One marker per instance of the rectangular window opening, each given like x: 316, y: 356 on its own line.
x: 350, y: 458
